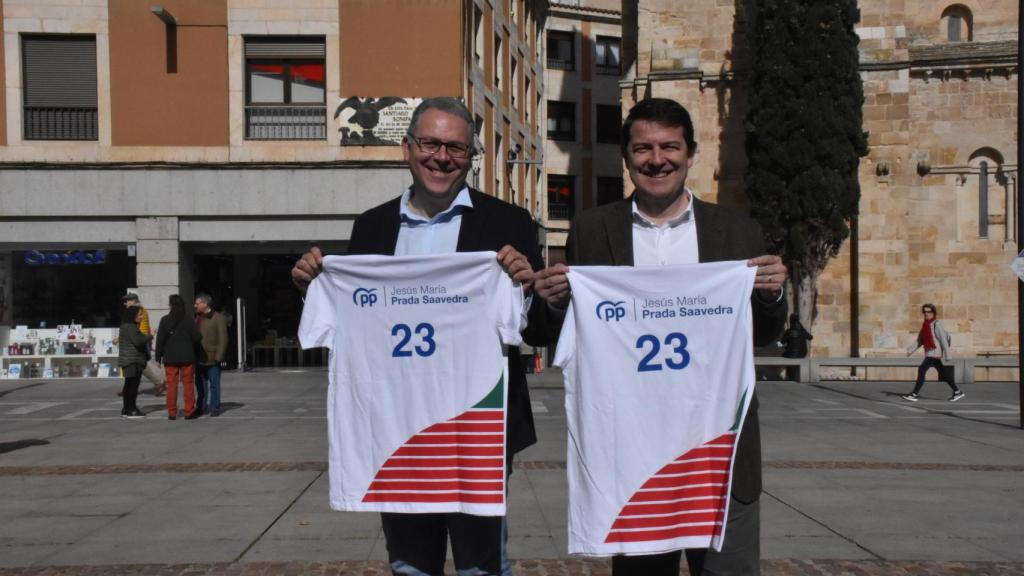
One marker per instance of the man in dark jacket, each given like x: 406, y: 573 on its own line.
x: 177, y: 340
x: 440, y: 214
x: 663, y: 223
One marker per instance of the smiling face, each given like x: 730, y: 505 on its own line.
x: 658, y: 161
x: 438, y: 177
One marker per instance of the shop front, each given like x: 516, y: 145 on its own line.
x: 60, y: 309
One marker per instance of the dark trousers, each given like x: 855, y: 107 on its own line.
x: 419, y: 542
x: 740, y: 555
x: 200, y: 389
x: 945, y: 373
x: 130, y: 392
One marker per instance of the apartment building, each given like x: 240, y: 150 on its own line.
x: 176, y: 146
x: 583, y: 164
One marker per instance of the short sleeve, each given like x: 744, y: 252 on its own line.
x: 316, y: 330
x: 510, y: 304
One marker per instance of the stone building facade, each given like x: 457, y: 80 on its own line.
x: 939, y: 186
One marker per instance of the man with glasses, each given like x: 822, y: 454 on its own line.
x: 440, y: 214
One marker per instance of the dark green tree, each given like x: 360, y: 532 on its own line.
x: 804, y: 135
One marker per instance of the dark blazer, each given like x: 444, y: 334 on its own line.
x: 604, y: 237
x: 489, y: 225
x: 177, y: 344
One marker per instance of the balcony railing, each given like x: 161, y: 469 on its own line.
x: 60, y: 123
x: 285, y: 122
x: 560, y: 211
x: 559, y: 64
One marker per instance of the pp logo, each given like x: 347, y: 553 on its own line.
x: 363, y: 297
x: 609, y: 311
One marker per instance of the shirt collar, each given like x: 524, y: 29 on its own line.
x: 460, y: 203
x: 685, y: 217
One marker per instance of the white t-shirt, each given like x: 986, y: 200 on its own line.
x: 659, y: 373
x: 417, y: 394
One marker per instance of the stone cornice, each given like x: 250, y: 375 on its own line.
x: 957, y: 57
x: 961, y: 53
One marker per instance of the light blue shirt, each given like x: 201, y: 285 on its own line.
x: 418, y: 235
x: 438, y: 235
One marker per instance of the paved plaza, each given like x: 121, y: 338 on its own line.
x: 857, y: 481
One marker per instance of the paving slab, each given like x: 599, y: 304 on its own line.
x: 857, y: 481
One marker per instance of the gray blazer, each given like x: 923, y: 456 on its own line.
x: 942, y: 338
x: 603, y: 236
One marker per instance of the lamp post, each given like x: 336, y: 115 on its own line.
x: 1020, y: 215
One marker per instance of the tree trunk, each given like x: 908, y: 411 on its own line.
x: 806, y: 282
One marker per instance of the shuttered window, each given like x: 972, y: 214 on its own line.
x: 59, y: 79
x: 286, y: 88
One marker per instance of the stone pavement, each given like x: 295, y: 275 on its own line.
x: 856, y: 482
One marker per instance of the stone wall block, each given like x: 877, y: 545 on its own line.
x: 163, y: 228
x: 156, y: 274
x: 157, y: 251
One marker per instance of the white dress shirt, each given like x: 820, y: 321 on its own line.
x: 669, y: 243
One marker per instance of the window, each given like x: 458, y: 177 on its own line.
x: 608, y: 55
x: 560, y: 50
x: 561, y: 120
x: 957, y: 21
x: 609, y: 124
x: 514, y: 75
x: 529, y: 101
x: 608, y: 190
x: 286, y: 90
x: 478, y: 34
x: 561, y: 197
x: 59, y: 79
x: 498, y: 62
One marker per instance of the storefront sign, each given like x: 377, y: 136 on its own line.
x: 88, y: 257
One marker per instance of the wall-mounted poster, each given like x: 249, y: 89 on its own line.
x: 69, y: 332
x: 374, y: 121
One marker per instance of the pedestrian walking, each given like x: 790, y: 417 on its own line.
x: 936, y: 341
x: 177, y: 342
x: 132, y: 355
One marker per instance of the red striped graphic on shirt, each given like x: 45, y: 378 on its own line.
x: 461, y: 460
x: 687, y: 497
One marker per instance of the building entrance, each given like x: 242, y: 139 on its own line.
x: 272, y: 305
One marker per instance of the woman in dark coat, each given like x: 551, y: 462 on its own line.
x: 177, y: 339
x: 132, y: 356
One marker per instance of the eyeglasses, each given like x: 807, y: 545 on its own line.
x: 928, y: 311
x: 433, y: 146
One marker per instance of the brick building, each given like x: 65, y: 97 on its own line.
x: 182, y: 145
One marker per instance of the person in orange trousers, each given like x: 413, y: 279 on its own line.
x: 178, y: 347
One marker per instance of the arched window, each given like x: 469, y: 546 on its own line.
x: 994, y: 196
x: 958, y: 23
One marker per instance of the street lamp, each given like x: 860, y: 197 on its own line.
x: 164, y: 15
x: 511, y: 161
